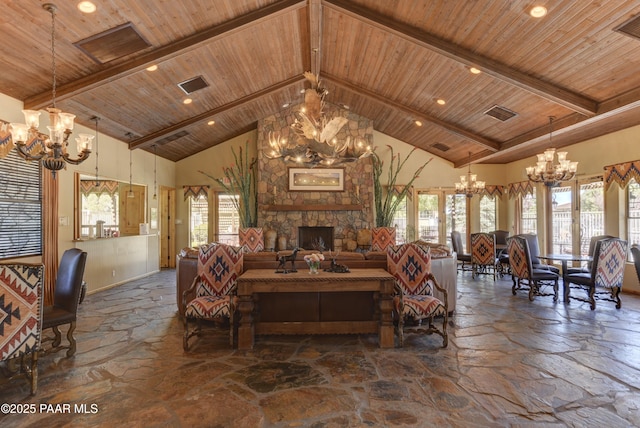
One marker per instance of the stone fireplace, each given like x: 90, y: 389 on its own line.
x: 313, y: 238
x: 288, y: 211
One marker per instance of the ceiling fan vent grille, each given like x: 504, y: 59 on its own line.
x: 171, y: 137
x: 441, y: 147
x: 630, y: 28
x: 113, y: 43
x: 501, y: 113
x: 192, y: 85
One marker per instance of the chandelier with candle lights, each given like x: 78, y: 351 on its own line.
x: 51, y: 150
x: 469, y: 184
x: 314, y: 140
x: 550, y: 173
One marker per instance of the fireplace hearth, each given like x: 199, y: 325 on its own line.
x: 315, y: 238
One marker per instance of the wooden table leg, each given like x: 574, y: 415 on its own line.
x: 386, y: 335
x: 246, y: 331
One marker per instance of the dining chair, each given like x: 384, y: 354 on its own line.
x: 604, y: 282
x: 592, y: 247
x: 414, y: 303
x: 635, y: 251
x: 219, y: 266
x: 66, y: 298
x: 456, y: 243
x: 524, y: 276
x: 483, y: 254
x: 534, y: 251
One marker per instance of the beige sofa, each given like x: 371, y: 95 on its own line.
x: 443, y: 265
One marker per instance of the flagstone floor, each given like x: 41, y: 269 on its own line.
x: 510, y: 362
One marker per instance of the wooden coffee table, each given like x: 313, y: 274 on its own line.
x: 358, y: 302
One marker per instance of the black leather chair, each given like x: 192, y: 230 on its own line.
x: 67, y: 295
x: 456, y: 243
x: 534, y: 251
x: 635, y: 251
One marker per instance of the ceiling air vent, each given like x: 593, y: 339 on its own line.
x: 630, y: 28
x: 500, y: 113
x: 171, y: 138
x: 441, y: 147
x: 114, y: 43
x: 192, y: 85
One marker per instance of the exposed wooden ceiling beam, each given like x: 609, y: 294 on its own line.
x: 162, y: 53
x: 494, y: 146
x: 147, y: 140
x: 496, y: 69
x: 315, y: 35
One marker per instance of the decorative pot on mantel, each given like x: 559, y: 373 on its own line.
x: 270, y: 237
x: 251, y: 239
x: 282, y: 243
x: 382, y: 238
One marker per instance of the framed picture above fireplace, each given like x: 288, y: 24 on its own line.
x: 316, y: 179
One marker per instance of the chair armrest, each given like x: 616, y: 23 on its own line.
x: 440, y: 289
x: 190, y: 291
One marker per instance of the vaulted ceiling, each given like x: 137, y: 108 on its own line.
x: 386, y: 60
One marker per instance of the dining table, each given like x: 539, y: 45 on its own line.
x: 564, y: 259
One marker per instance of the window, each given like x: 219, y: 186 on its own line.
x: 20, y: 208
x: 400, y: 222
x: 99, y: 206
x: 528, y: 214
x: 456, y: 217
x: 633, y: 212
x: 228, y: 220
x: 487, y: 214
x: 429, y: 217
x: 198, y: 221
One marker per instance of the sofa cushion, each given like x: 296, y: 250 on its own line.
x: 261, y: 255
x: 189, y: 252
x: 376, y: 255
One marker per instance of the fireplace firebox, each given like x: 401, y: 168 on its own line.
x: 315, y: 238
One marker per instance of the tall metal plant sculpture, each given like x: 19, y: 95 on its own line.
x: 240, y: 179
x: 387, y: 200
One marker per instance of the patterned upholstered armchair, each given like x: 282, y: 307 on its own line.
x: 607, y: 272
x: 483, y: 254
x: 410, y: 264
x: 21, y: 303
x: 524, y: 276
x: 219, y: 266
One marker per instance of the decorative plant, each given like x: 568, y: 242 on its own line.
x: 386, y: 203
x: 240, y: 179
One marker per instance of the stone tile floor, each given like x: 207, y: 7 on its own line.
x: 510, y: 362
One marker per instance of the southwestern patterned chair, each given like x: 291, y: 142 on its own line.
x: 219, y: 266
x: 524, y: 276
x: 483, y: 254
x: 456, y: 243
x: 414, y: 302
x: 604, y: 282
x: 21, y: 302
x: 592, y: 248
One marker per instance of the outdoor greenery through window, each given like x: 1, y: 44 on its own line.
x: 428, y: 217
x: 633, y: 213
x: 198, y: 221
x: 400, y: 223
x: 528, y: 214
x: 456, y: 217
x: 488, y: 214
x: 99, y: 207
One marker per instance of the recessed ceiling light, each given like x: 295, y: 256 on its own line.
x: 187, y: 101
x: 285, y: 105
x: 474, y: 70
x: 440, y: 101
x: 417, y: 123
x: 152, y: 67
x: 211, y: 122
x: 86, y: 7
x: 538, y: 11
x: 345, y: 106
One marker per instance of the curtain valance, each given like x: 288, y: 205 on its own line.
x: 104, y: 186
x: 493, y: 189
x: 195, y: 192
x: 621, y: 173
x: 520, y: 188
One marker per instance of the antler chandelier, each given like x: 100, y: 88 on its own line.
x: 50, y: 150
x: 469, y: 184
x: 545, y: 171
x: 316, y: 136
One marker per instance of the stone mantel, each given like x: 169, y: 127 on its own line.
x: 314, y: 207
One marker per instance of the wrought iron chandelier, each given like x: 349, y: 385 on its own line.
x: 469, y: 184
x: 315, y: 135
x: 50, y: 150
x: 550, y: 173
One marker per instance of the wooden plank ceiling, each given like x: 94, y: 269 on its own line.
x: 386, y: 60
